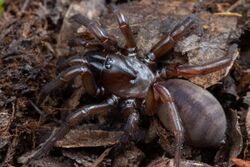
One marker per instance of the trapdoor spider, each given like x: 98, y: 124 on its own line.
x: 187, y: 110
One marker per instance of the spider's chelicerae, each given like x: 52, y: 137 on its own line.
x: 187, y: 110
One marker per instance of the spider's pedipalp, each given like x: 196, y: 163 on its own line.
x: 72, y: 61
x: 62, y: 79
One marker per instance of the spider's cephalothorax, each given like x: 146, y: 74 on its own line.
x: 127, y: 77
x: 178, y: 103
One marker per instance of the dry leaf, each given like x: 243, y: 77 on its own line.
x: 241, y: 163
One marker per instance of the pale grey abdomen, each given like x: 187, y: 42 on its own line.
x: 202, y: 115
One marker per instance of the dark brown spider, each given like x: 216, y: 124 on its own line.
x: 187, y: 110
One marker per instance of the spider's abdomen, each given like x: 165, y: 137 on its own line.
x: 202, y: 115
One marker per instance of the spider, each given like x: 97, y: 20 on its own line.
x: 187, y: 110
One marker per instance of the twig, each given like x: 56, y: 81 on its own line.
x: 11, y: 151
x: 236, y: 4
x: 101, y: 157
x: 43, y: 115
x: 15, y: 138
x: 228, y: 11
x: 25, y: 5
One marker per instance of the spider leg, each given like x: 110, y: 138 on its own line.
x: 150, y: 102
x: 168, y: 114
x: 65, y: 77
x: 168, y: 41
x: 81, y: 59
x: 125, y: 29
x: 72, y: 61
x: 77, y: 41
x: 131, y: 128
x: 193, y: 70
x: 95, y: 28
x: 71, y: 121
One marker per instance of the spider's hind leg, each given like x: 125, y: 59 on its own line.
x: 187, y: 71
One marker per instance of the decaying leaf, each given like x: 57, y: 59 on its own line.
x: 4, y: 125
x: 91, y: 9
x: 5, y: 122
x: 165, y: 162
x: 244, y: 80
x: 50, y: 162
x: 11, y: 151
x: 89, y: 138
x: 241, y: 163
x: 130, y: 157
x: 247, y: 101
x: 247, y: 124
x: 89, y: 159
x: 235, y: 136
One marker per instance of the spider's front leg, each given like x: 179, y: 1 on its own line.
x: 125, y: 29
x: 67, y: 76
x: 78, y: 41
x: 71, y: 121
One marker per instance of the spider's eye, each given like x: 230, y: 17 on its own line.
x: 108, y: 63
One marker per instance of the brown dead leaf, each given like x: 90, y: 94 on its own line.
x: 130, y: 157
x: 235, y: 136
x: 50, y: 162
x: 89, y: 138
x: 91, y: 9
x: 86, y: 158
x: 241, y: 163
x: 247, y: 101
x: 165, y: 162
x: 245, y: 80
